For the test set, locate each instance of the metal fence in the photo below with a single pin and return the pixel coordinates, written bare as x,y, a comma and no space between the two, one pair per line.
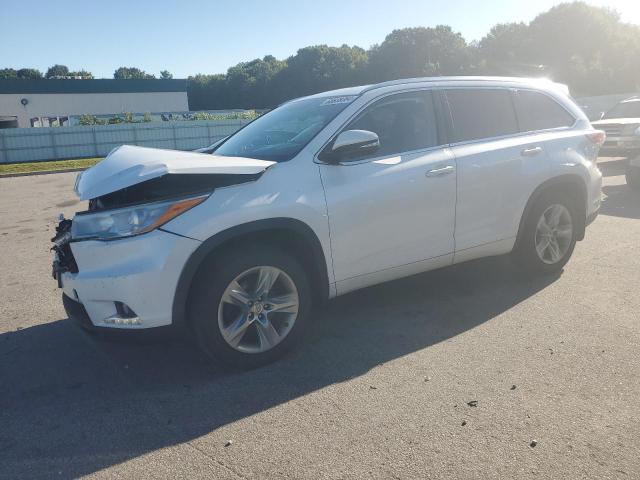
30,144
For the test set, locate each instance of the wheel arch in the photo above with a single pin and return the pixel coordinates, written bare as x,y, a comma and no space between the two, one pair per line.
295,234
571,183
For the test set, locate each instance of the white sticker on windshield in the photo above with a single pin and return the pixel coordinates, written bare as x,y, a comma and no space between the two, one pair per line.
337,100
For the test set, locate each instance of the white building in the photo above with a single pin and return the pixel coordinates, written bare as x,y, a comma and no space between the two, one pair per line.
43,102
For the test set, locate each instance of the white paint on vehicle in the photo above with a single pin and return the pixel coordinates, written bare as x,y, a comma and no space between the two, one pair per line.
129,165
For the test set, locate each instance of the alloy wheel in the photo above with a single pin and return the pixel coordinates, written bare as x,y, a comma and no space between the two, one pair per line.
258,309
554,233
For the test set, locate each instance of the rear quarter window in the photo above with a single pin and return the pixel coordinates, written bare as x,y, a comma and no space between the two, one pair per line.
537,111
481,113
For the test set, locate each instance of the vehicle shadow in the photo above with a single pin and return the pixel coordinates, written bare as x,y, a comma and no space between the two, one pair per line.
620,201
73,404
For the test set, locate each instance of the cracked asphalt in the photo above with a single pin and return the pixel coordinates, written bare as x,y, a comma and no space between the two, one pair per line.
410,379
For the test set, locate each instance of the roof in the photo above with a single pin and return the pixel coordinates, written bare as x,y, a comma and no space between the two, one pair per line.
538,82
340,92
19,85
468,78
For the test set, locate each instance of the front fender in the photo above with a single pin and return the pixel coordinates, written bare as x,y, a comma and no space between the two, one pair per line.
179,310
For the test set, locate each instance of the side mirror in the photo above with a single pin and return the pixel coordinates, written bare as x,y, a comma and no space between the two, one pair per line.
352,144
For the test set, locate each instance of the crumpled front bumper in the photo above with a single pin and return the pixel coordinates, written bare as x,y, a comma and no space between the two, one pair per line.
140,273
77,313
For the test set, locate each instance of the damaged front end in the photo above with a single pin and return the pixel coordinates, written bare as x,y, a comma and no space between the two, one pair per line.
136,190
63,260
116,266
168,187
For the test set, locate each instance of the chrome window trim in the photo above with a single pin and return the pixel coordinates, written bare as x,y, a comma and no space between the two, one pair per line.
515,135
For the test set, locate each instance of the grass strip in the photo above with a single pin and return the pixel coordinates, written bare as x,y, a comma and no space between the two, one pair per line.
53,166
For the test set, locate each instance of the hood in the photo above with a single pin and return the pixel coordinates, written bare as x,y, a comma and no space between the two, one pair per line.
128,165
616,121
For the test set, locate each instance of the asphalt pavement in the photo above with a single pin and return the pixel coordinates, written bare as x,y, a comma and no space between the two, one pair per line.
468,372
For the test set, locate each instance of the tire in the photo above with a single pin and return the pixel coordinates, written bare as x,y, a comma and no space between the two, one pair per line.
210,313
526,253
633,177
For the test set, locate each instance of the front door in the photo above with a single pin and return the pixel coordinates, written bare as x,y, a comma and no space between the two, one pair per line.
394,209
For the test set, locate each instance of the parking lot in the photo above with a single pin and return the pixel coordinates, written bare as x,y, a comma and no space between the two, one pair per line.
467,372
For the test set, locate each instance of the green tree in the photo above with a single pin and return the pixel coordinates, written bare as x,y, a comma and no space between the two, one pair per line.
250,85
317,68
126,73
8,73
206,92
166,75
82,74
507,50
586,47
416,52
29,73
57,71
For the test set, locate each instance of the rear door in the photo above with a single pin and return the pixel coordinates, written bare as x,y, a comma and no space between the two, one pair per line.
497,166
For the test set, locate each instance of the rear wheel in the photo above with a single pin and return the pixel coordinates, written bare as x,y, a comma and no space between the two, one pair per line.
633,177
549,235
250,307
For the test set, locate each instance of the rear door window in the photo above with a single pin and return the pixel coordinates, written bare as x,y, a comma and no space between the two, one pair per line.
537,111
481,113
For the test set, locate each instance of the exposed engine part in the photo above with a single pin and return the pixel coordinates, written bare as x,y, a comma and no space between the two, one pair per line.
167,187
63,258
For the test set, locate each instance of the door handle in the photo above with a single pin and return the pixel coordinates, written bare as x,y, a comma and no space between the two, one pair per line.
440,171
530,152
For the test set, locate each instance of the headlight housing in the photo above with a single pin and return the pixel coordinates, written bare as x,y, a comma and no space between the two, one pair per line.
129,221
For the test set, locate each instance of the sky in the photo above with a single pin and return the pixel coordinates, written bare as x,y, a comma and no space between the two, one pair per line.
198,36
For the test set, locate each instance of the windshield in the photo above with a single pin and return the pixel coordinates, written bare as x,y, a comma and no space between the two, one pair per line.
280,134
624,110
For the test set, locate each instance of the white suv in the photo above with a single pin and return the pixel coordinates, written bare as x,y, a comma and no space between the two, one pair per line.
324,195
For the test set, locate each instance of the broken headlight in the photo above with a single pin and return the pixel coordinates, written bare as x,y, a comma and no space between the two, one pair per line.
129,221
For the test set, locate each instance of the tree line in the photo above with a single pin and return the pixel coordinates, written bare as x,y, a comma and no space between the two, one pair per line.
588,48
63,72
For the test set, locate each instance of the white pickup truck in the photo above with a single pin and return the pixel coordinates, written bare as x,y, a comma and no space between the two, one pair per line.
622,126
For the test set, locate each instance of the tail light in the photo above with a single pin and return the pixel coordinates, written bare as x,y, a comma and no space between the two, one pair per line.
597,137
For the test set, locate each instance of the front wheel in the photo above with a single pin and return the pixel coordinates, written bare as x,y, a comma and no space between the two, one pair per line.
633,177
549,235
250,306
